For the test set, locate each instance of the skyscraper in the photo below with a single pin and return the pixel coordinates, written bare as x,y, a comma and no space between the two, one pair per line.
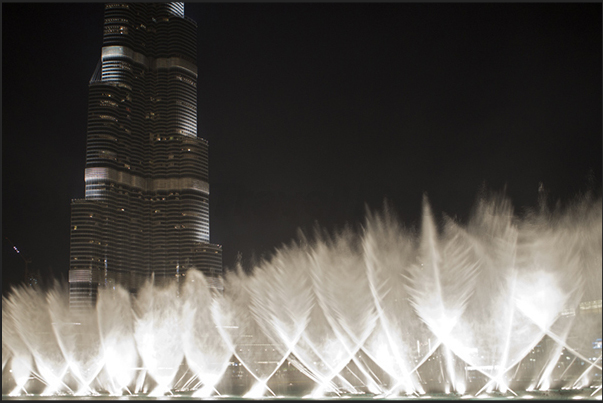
146,208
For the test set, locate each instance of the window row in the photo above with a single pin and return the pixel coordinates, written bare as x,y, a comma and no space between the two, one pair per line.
186,80
116,5
116,29
116,20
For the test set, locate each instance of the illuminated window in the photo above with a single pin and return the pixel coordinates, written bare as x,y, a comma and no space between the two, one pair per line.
113,20
105,136
186,80
186,104
108,154
124,65
105,102
591,306
116,29
108,117
116,5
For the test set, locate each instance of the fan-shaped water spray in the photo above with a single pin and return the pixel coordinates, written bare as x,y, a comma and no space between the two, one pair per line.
502,303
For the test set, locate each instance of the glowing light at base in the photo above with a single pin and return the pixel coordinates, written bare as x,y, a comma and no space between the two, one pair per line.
258,390
205,391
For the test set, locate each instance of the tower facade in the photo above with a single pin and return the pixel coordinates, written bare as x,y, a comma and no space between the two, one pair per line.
146,208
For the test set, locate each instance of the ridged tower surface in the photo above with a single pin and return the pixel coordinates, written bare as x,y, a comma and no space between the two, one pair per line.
146,208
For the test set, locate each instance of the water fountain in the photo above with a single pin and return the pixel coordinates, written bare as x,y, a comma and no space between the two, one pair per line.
499,306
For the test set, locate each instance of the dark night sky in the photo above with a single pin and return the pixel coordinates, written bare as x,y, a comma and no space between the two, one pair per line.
313,110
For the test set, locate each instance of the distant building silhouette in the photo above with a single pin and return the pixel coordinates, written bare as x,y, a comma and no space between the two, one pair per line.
146,209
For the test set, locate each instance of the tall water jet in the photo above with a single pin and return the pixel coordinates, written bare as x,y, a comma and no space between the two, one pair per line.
158,333
12,345
441,282
282,298
343,294
32,320
116,327
398,341
248,340
78,338
207,354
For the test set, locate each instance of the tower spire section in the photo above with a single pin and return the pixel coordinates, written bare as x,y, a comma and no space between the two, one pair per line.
146,206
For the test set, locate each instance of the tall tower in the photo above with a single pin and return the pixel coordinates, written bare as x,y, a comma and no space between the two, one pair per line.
146,209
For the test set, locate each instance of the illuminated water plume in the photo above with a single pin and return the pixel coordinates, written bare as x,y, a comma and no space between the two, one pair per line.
501,304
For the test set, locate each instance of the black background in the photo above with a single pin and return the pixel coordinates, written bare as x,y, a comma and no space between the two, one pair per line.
314,110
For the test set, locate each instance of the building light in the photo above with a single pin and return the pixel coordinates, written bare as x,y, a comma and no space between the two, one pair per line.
110,180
